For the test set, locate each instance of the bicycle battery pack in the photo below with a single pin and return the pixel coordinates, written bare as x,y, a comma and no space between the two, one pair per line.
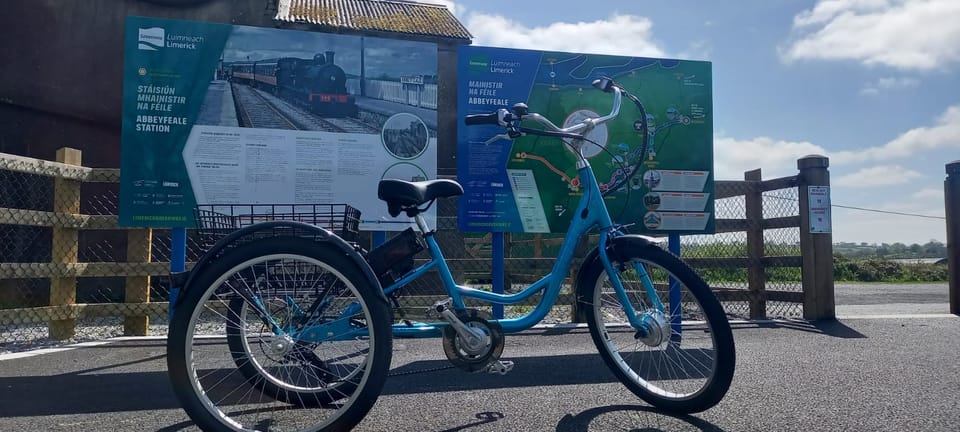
394,258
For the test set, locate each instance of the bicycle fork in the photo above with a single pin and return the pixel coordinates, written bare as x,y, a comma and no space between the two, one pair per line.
651,325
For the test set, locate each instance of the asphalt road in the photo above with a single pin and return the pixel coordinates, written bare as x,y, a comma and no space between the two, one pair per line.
859,299
856,374
889,363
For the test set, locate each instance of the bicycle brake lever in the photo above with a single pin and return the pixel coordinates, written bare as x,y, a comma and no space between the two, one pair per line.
498,137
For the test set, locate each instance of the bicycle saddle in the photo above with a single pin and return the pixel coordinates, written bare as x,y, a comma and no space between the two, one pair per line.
402,195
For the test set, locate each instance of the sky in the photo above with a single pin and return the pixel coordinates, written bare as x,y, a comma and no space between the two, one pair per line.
872,84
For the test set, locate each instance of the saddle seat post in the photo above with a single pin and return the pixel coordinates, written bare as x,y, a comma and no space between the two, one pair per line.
422,223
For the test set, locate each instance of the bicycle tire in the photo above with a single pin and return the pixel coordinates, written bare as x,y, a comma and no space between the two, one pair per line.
601,304
270,398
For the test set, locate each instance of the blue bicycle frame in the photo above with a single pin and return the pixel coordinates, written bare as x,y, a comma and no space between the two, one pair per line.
591,212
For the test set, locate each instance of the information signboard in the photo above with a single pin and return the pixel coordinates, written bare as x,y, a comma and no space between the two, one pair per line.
224,114
531,184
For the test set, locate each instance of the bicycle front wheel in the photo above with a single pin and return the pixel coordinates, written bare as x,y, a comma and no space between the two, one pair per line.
682,358
280,334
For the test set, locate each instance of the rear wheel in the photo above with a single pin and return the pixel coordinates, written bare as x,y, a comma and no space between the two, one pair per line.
680,360
280,334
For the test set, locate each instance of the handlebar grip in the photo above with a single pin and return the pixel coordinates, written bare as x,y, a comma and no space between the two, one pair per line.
479,119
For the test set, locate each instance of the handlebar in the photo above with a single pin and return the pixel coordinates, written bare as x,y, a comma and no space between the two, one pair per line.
479,119
511,120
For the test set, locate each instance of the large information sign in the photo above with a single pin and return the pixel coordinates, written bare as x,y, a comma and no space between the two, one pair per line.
223,114
532,184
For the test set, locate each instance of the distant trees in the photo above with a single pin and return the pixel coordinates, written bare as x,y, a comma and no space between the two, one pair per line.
930,249
882,270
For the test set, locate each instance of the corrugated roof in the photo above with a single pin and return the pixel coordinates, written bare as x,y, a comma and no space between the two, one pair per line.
377,15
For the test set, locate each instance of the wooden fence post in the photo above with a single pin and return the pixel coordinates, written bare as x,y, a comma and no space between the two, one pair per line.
63,290
137,288
816,238
753,201
951,195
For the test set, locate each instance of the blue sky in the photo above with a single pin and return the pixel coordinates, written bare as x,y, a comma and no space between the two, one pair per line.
872,84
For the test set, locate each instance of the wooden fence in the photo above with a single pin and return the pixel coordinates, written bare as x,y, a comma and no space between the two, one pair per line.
63,270
66,221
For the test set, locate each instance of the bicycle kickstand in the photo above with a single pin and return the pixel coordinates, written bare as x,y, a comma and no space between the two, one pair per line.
501,367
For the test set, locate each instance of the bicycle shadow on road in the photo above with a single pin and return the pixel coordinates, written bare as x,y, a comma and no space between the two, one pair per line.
631,418
427,376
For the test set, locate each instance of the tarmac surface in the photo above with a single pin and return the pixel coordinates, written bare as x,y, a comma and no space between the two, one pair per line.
865,372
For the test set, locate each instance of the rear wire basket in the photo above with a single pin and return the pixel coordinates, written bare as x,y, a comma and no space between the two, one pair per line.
219,220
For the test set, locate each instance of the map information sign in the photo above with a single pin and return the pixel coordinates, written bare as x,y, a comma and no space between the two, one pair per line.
531,185
220,114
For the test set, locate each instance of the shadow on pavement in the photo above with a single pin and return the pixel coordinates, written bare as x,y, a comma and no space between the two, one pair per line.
482,419
533,371
631,418
78,393
93,391
827,327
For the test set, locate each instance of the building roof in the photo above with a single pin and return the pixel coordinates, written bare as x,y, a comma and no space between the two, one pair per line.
375,15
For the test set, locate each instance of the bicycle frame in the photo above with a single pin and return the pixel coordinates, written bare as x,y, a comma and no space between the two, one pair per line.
591,212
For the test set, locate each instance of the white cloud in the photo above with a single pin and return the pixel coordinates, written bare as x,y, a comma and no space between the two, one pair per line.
928,194
697,50
733,156
889,83
827,10
598,37
897,83
904,34
944,134
775,158
455,8
884,175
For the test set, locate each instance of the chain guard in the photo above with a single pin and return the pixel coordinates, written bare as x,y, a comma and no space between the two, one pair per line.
475,319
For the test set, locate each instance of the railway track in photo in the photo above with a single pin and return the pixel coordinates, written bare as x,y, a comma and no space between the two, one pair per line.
256,111
296,117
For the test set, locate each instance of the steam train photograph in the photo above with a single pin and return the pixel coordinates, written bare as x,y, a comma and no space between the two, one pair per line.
316,83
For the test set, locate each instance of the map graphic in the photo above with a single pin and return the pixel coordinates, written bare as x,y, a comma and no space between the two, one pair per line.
666,188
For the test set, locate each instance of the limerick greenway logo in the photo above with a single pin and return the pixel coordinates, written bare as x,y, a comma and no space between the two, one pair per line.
151,39
479,63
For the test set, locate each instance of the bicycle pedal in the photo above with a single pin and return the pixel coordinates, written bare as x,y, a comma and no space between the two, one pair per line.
437,309
501,367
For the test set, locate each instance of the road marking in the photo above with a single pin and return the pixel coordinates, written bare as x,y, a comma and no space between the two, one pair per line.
25,354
